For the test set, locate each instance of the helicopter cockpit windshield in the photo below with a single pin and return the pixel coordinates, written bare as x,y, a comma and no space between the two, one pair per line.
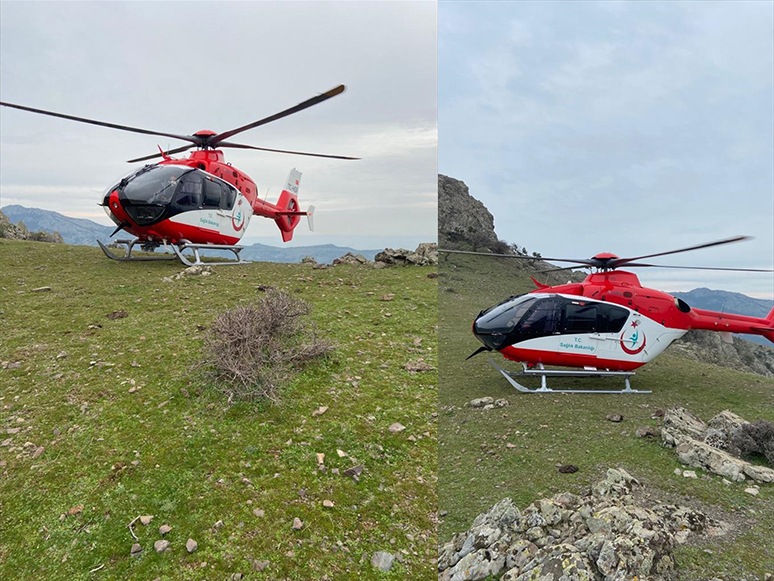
532,316
156,185
161,191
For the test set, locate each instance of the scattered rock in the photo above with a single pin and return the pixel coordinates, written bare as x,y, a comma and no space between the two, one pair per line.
328,503
387,297
568,469
481,402
38,452
753,491
218,525
135,550
191,545
62,355
117,315
616,418
190,271
260,565
145,519
161,546
395,428
502,403
354,472
647,432
42,289
78,508
320,411
418,367
259,512
689,474
382,560
164,529
298,524
308,260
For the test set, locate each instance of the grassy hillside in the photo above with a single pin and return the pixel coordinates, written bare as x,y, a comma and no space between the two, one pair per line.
477,467
129,428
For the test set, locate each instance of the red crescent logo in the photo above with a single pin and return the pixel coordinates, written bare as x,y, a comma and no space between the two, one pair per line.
238,218
638,349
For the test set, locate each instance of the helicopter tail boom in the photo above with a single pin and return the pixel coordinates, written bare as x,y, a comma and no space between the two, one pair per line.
727,322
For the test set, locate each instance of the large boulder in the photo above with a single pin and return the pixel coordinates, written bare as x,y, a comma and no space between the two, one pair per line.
350,258
702,445
426,254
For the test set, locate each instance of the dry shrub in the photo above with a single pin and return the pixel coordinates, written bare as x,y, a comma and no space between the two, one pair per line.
254,350
753,439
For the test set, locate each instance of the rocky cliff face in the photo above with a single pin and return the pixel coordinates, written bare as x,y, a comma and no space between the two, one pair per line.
20,232
463,221
742,355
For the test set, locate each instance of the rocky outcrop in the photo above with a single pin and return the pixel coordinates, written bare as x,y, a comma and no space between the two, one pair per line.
350,258
603,535
709,347
426,254
702,445
463,221
20,232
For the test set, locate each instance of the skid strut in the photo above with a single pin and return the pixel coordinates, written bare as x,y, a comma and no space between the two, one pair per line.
178,250
128,253
544,373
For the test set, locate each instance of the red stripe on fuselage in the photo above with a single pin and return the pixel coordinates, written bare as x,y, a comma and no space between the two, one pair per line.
567,359
174,232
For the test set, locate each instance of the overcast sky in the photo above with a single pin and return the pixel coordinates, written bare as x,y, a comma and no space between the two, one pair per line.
629,127
180,67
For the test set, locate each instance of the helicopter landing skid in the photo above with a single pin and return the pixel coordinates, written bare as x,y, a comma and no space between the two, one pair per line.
128,254
185,245
543,373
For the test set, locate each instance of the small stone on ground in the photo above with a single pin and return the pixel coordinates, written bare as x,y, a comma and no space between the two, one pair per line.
382,560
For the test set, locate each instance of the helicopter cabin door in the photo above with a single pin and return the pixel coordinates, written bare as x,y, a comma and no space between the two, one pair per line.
610,321
592,328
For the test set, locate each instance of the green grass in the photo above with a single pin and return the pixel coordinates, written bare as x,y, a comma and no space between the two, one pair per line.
476,469
193,449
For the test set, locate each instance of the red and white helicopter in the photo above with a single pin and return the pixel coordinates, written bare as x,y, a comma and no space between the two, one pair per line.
200,202
607,325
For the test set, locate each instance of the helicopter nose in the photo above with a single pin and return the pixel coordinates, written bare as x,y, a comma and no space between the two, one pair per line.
491,339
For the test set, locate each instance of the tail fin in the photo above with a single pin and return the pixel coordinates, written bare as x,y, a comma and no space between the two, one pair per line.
289,216
769,333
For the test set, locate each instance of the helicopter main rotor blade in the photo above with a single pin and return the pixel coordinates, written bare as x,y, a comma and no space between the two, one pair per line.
559,269
639,265
586,262
622,261
241,146
171,151
100,123
213,141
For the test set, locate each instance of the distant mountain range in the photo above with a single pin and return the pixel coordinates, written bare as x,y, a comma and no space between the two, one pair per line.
729,302
73,230
81,231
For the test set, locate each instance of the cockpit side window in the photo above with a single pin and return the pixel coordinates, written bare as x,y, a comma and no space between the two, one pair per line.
544,318
228,197
611,319
580,318
213,191
189,193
